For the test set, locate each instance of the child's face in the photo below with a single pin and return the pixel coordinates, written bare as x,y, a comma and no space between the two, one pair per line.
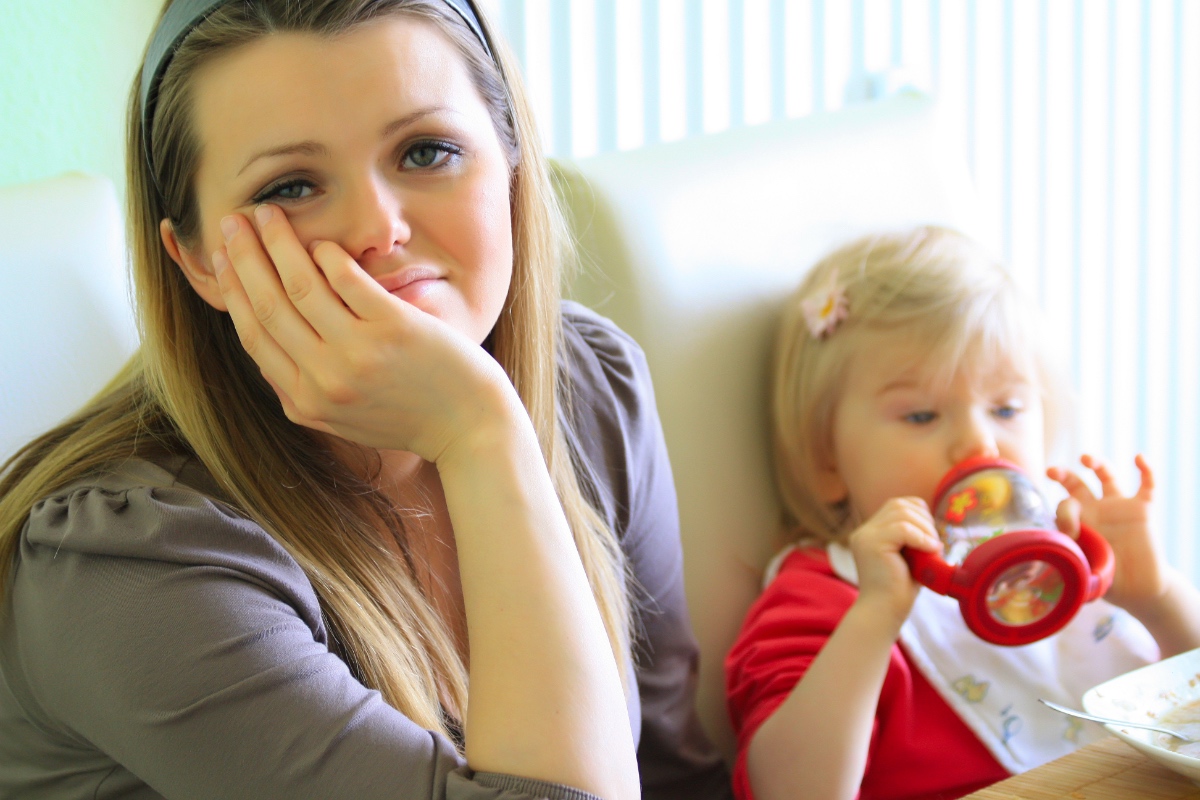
897,431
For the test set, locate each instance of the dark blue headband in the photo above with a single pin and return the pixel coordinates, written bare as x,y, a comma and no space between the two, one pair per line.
184,15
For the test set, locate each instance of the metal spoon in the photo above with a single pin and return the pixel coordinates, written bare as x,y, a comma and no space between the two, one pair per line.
1120,723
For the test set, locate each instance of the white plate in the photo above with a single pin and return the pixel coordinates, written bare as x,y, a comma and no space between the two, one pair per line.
1144,695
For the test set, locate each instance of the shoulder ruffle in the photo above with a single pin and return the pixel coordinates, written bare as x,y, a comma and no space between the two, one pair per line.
140,511
610,418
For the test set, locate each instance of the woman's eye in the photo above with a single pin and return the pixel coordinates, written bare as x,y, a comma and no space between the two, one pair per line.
290,190
920,417
428,155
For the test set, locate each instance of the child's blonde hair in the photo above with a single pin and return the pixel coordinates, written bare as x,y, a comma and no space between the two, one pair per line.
929,284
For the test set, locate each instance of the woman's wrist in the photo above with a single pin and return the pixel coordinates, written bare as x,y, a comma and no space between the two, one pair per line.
495,422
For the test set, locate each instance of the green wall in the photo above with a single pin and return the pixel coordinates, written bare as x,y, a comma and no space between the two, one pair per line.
65,71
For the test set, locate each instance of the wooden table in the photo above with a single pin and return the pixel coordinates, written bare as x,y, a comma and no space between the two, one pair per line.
1106,770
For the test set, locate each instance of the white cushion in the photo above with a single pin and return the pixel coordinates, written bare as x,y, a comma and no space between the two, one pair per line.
690,246
65,320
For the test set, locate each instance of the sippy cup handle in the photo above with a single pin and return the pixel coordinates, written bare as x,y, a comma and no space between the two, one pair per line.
930,570
1100,560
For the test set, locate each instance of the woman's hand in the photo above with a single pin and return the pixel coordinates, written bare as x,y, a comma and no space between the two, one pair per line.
345,356
1140,577
882,571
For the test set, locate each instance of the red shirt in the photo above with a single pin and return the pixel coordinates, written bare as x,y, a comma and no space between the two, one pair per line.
919,747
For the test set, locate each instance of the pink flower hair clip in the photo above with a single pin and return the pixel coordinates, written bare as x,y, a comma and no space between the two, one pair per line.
825,308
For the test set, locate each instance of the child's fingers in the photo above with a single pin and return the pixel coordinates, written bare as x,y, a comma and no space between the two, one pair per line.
1108,484
1074,484
1066,516
1146,489
914,524
921,538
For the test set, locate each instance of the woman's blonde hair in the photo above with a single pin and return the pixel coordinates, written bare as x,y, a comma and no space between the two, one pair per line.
931,285
191,389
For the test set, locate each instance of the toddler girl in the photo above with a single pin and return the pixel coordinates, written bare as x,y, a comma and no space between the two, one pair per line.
899,356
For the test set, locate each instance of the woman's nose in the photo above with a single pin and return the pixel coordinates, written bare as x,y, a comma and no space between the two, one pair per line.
374,221
974,437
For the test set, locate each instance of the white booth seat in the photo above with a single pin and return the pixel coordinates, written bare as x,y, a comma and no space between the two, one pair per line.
690,247
65,320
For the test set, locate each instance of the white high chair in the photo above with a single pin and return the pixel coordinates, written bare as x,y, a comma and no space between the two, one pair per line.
690,247
65,320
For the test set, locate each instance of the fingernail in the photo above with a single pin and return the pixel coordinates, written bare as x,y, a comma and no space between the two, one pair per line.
262,214
229,227
220,262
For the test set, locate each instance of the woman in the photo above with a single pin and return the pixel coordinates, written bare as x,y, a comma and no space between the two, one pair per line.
361,461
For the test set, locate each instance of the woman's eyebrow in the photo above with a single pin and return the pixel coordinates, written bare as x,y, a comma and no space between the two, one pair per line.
293,148
311,148
409,119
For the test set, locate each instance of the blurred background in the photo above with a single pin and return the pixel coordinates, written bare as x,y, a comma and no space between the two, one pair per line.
1080,123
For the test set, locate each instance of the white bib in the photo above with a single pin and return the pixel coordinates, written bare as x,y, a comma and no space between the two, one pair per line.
995,689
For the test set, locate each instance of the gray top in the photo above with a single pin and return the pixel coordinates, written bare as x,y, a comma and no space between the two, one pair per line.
155,645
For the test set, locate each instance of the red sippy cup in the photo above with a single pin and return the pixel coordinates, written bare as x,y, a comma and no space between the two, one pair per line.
1016,577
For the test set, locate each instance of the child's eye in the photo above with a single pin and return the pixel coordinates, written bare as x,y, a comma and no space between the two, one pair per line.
921,417
429,155
1007,411
290,189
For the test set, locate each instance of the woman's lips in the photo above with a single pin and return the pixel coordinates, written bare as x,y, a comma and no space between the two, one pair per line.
410,285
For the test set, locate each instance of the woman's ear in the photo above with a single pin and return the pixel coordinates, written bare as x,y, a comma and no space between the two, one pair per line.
198,274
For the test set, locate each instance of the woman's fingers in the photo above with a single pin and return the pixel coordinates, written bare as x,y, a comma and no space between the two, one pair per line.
276,365
260,283
322,281
293,412
302,282
360,293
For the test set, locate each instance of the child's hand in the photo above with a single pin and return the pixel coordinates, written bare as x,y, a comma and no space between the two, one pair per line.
1140,578
882,571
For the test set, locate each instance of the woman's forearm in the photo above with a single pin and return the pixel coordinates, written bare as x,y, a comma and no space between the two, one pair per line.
815,744
546,699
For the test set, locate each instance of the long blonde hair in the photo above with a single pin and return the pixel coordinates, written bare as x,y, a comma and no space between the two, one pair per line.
929,283
191,389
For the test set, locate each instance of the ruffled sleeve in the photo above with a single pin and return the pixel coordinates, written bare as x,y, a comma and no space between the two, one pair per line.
157,644
613,425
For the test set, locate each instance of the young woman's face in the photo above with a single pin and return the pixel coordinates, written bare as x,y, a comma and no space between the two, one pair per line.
897,431
376,140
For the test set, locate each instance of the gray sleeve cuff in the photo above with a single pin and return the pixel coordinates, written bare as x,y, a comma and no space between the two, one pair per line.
522,788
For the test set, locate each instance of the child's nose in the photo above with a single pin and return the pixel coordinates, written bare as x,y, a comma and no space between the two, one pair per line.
974,437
